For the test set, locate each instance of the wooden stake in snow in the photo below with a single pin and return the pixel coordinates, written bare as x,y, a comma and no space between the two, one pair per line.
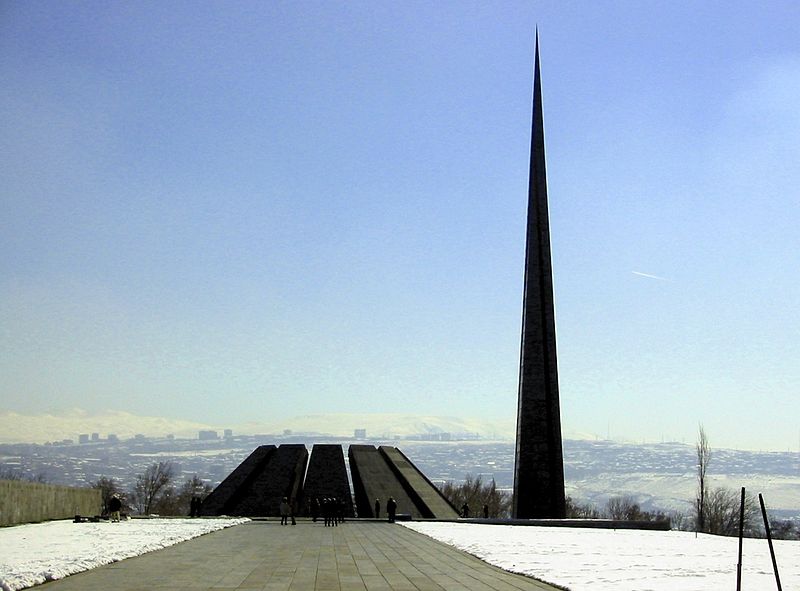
769,539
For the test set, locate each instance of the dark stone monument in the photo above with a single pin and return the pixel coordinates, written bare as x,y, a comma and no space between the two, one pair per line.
380,473
539,464
327,476
427,497
256,487
282,476
229,492
374,479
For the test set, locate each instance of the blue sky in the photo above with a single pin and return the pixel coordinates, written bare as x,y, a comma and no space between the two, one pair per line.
221,211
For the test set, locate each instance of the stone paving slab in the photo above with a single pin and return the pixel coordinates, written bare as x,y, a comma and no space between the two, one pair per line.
265,556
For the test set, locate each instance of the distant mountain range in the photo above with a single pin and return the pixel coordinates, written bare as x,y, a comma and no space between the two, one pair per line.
69,424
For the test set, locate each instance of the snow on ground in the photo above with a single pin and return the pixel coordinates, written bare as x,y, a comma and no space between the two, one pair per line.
38,552
580,559
623,560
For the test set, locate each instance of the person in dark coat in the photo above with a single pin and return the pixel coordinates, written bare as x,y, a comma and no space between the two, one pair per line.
464,510
486,511
284,511
337,508
391,509
114,507
332,502
194,507
377,508
326,511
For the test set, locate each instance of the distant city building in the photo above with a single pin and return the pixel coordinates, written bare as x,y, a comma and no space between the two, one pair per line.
170,437
207,435
444,436
112,438
139,437
287,432
83,438
95,436
228,433
360,433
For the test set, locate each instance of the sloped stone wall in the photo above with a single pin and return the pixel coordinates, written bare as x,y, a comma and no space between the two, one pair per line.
327,477
281,476
228,493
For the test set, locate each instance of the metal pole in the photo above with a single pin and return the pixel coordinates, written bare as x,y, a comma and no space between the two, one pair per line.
769,539
741,535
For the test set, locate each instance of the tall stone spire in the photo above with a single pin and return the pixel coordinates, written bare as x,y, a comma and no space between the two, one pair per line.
539,464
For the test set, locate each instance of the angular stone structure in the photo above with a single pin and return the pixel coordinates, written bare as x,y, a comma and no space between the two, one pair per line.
423,492
256,487
228,493
327,477
386,472
373,479
539,464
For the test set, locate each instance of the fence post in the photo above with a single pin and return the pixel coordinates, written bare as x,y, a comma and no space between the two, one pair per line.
769,539
741,535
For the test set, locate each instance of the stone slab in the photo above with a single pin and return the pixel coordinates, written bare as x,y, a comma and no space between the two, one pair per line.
224,496
425,495
374,479
327,476
281,476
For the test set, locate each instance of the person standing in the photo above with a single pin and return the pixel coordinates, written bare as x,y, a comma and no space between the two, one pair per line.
114,506
391,509
377,508
194,510
465,510
315,509
284,510
326,511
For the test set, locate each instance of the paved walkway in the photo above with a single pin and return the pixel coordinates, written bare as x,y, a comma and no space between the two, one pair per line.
266,556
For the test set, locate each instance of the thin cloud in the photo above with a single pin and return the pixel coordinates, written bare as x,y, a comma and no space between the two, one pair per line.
649,276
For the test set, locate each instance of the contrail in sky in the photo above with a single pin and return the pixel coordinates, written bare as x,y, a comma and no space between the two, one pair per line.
649,276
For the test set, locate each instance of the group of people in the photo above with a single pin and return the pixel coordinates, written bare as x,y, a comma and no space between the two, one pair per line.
331,509
286,510
465,511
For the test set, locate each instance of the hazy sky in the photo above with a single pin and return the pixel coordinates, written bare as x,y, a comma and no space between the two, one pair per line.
232,210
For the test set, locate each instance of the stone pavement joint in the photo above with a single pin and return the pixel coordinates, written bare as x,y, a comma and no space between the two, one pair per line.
265,556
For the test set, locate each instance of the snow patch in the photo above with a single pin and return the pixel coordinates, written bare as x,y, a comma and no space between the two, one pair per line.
35,553
619,560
